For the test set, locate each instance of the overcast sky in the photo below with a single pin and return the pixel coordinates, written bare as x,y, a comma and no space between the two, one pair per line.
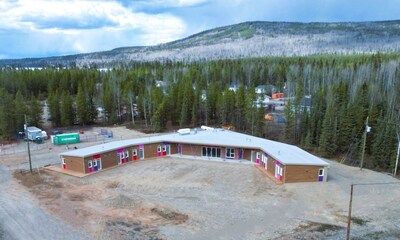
39,28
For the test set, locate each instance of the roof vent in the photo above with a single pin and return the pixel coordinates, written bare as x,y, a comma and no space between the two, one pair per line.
184,131
206,128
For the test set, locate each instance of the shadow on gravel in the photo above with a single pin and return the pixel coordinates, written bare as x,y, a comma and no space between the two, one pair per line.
313,231
131,230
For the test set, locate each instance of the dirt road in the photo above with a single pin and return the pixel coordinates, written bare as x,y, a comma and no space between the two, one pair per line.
23,218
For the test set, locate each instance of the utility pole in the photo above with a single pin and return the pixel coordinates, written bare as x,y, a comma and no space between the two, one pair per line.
367,130
27,141
349,216
398,152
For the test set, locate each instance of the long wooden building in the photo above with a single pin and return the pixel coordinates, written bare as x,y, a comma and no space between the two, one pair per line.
285,163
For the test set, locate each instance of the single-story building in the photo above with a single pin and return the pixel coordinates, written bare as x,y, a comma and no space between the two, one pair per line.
285,163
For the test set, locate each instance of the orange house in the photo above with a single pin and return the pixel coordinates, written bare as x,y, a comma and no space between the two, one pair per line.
278,95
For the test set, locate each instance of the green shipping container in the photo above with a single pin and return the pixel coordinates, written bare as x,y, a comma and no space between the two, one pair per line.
66,138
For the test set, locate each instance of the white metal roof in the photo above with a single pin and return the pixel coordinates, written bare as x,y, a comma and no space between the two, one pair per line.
33,129
284,153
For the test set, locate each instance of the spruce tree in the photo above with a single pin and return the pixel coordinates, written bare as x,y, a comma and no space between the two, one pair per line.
82,111
67,111
290,122
327,144
7,127
35,112
20,110
53,105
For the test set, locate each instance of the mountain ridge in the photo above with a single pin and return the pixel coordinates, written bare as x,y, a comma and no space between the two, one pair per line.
247,39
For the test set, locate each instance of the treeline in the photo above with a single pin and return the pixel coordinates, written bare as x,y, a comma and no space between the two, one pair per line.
345,90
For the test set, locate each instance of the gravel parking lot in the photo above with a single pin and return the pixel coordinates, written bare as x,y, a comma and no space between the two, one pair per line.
174,198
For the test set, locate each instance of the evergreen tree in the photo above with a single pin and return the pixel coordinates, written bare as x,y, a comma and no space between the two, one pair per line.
67,111
327,144
290,122
187,103
53,105
35,112
251,110
7,127
109,105
240,109
20,110
82,111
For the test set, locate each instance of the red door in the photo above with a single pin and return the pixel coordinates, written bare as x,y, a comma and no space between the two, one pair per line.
63,163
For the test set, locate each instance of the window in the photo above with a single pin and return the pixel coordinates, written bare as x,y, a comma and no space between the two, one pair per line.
321,172
211,152
164,148
94,163
230,153
126,154
158,148
134,152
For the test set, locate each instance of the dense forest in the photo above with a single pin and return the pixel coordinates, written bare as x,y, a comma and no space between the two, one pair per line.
345,90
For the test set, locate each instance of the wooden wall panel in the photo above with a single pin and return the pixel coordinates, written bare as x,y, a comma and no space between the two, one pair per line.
192,150
173,148
74,164
271,165
247,154
108,159
150,150
303,173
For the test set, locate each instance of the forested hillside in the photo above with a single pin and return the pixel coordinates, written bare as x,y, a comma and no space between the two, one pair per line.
249,39
344,89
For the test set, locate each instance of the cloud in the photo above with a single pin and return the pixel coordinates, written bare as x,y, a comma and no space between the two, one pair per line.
53,27
82,26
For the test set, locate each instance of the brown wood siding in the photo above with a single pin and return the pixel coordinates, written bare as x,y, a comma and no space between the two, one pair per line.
247,154
193,150
271,165
74,164
150,150
301,173
108,159
173,148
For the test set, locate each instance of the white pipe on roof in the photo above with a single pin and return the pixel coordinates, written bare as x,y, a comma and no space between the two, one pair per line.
184,131
206,128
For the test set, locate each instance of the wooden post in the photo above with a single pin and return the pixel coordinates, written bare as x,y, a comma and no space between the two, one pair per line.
398,153
349,217
27,141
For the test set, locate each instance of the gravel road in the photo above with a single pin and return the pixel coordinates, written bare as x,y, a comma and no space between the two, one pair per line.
22,218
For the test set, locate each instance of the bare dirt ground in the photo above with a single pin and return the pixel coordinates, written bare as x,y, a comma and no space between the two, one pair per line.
173,198
15,155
